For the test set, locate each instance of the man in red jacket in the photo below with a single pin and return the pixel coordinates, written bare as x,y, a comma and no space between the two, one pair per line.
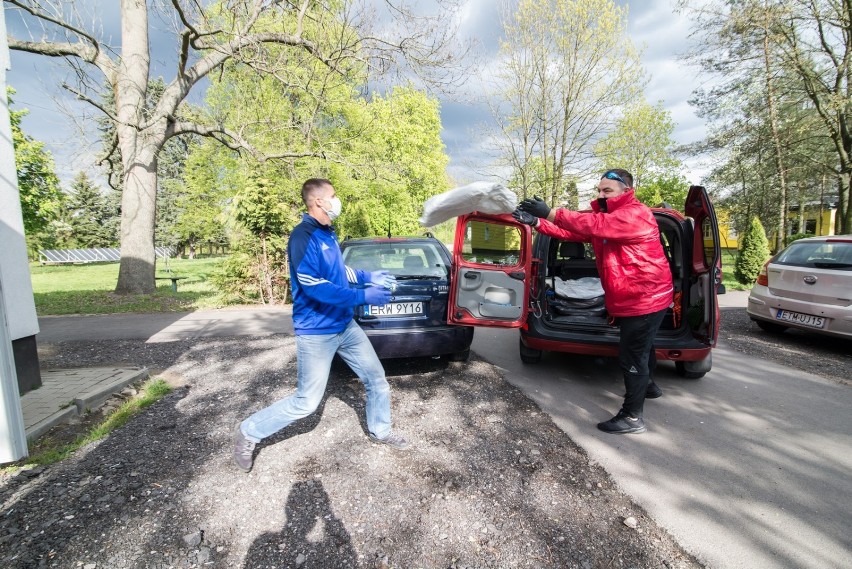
635,277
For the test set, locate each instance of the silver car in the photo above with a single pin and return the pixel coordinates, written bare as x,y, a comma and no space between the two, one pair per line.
807,286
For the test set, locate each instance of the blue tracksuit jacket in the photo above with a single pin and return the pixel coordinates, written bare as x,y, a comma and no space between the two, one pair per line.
323,302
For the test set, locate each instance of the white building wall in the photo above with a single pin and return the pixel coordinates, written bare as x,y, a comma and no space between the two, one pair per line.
14,268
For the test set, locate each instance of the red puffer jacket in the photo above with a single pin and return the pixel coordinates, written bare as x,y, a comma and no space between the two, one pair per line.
634,271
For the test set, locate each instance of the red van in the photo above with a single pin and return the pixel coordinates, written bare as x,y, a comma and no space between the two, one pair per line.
503,276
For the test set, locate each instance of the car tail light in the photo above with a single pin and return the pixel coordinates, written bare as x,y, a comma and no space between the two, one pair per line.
762,276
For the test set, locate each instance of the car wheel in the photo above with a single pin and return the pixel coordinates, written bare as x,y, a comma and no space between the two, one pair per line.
770,326
528,355
684,371
462,356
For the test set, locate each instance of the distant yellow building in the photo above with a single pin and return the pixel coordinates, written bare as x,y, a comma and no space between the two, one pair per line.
817,221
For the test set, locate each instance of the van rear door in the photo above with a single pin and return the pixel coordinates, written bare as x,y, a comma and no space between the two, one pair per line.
706,265
491,269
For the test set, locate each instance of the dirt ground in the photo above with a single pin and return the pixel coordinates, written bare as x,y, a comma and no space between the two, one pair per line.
489,481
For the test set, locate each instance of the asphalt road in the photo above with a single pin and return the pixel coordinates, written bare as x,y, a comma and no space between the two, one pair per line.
748,467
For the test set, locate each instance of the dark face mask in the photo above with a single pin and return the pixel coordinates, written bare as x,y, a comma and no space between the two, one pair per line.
602,204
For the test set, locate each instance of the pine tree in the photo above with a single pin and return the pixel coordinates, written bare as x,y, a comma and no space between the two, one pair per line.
90,214
754,251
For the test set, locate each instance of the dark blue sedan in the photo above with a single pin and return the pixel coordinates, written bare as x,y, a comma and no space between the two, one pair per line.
415,322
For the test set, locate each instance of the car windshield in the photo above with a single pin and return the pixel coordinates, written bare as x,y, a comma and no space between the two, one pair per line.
818,254
404,260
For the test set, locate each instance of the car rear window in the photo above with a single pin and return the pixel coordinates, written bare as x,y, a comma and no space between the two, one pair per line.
400,258
818,254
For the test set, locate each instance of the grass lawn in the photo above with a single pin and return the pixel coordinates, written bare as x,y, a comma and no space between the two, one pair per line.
728,259
88,289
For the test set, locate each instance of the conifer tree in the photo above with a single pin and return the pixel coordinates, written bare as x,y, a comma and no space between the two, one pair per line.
754,251
90,215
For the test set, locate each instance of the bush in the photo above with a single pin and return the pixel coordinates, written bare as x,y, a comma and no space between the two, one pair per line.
797,236
754,251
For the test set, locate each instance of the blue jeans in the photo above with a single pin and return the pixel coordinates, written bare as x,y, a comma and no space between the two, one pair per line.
313,356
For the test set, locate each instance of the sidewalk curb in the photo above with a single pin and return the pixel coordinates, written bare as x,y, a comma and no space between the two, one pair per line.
92,399
58,400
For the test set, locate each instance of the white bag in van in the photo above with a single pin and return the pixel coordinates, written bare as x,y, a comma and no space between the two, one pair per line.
484,197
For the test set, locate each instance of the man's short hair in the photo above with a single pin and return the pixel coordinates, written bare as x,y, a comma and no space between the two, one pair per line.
312,186
625,176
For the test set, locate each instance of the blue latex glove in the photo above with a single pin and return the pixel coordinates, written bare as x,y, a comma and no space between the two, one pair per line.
383,279
536,206
525,217
376,296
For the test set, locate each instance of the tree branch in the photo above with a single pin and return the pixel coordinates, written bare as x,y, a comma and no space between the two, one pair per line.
178,89
62,24
233,140
83,97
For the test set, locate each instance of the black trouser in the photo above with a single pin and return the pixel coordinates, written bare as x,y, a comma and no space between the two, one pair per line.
637,358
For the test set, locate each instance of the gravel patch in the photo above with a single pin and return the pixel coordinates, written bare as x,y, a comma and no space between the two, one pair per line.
827,357
490,480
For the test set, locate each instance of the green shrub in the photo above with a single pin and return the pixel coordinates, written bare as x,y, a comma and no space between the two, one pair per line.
796,237
754,251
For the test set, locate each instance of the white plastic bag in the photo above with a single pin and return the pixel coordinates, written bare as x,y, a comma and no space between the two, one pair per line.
485,197
585,288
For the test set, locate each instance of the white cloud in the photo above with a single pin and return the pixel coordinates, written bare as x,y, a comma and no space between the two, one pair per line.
653,24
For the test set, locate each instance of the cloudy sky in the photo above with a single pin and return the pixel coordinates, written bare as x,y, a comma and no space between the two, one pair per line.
652,24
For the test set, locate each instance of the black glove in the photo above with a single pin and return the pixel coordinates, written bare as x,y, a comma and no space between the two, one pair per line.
525,217
536,206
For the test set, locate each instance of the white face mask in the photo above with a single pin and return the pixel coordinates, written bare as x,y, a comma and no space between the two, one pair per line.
336,207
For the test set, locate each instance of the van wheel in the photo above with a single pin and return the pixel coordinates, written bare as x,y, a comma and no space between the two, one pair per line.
684,371
528,355
769,326
462,356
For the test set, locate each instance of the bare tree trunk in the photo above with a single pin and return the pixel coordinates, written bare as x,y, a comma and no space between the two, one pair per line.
136,271
844,206
138,154
776,137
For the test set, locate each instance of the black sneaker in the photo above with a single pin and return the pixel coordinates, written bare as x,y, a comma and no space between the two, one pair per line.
393,440
653,391
623,424
243,450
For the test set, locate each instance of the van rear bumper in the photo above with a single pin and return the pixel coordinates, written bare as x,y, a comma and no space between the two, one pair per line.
686,354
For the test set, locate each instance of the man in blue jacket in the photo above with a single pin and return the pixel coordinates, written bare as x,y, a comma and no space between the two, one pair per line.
323,310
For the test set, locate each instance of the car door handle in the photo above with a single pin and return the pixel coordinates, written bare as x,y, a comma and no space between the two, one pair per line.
471,275
518,275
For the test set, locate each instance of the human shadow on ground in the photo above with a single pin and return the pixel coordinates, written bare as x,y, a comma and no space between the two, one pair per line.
311,535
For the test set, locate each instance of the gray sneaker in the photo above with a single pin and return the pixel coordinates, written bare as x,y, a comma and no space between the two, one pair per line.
393,440
243,450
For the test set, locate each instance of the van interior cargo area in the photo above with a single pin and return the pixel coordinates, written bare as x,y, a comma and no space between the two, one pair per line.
570,267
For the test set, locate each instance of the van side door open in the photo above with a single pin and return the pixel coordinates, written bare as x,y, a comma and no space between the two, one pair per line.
491,271
706,263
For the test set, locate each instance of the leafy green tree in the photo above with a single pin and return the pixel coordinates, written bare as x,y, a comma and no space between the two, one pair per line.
641,143
264,36
779,104
669,188
754,251
260,209
566,68
41,197
90,214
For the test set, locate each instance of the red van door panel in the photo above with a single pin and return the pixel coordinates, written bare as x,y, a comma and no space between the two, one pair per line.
706,263
491,271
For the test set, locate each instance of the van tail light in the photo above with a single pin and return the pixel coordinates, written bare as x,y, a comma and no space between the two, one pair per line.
762,276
